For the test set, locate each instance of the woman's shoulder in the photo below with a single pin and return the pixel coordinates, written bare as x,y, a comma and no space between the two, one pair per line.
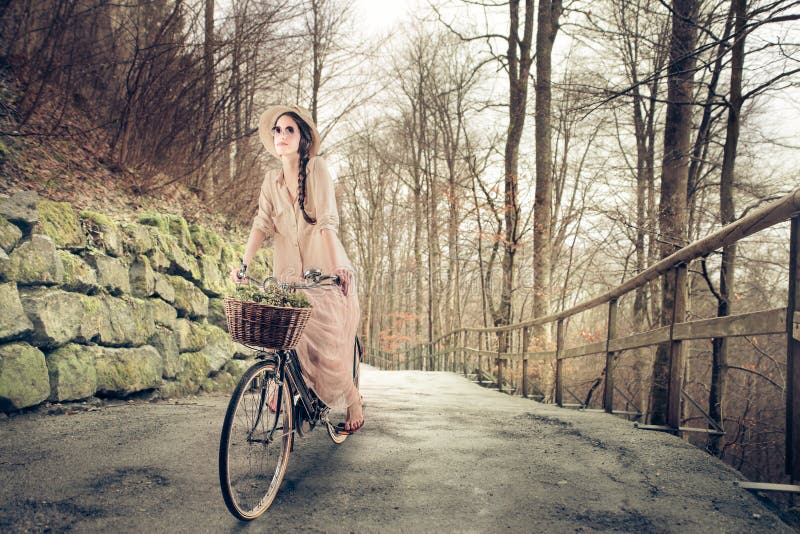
269,177
317,164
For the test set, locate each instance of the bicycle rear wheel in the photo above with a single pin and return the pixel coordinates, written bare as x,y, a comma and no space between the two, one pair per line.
255,443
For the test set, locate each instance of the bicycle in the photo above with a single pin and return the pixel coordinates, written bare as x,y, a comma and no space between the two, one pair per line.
271,402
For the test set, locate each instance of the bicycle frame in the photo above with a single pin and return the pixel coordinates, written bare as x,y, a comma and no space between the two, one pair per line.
289,373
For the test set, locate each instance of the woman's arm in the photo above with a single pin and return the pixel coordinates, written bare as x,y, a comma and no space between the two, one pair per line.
344,274
328,219
254,242
262,229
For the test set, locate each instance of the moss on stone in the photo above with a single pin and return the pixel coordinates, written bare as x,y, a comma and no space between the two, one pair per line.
24,380
94,318
98,218
165,343
193,371
213,281
162,313
179,228
112,273
155,220
162,240
58,220
216,313
163,288
14,322
190,336
208,243
221,382
230,258
189,299
10,235
142,277
78,275
72,372
35,261
125,371
138,238
103,232
169,256
185,264
236,368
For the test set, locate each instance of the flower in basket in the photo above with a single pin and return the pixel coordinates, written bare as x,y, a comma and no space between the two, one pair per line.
272,295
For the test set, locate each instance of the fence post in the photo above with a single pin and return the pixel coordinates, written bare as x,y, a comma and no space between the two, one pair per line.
526,339
453,351
677,354
480,358
793,356
499,366
464,355
559,363
608,389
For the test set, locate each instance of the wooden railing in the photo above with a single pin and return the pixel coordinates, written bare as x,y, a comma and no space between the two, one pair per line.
453,352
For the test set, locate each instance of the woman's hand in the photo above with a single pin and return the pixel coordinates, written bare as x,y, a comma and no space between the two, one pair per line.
235,276
345,279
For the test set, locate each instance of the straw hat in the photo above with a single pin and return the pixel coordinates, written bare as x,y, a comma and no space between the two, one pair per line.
268,119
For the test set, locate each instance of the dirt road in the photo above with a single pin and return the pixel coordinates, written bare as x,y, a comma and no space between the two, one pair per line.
437,454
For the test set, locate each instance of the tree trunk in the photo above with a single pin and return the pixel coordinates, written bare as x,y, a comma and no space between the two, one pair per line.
316,75
719,371
519,65
207,173
674,177
547,18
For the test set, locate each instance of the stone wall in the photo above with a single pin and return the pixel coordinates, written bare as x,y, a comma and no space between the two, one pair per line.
90,307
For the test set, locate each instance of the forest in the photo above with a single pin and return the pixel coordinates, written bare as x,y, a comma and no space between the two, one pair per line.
495,161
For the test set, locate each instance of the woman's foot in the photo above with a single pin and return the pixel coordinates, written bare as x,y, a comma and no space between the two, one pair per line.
355,417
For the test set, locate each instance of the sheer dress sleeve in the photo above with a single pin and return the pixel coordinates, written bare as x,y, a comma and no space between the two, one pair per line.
321,190
263,219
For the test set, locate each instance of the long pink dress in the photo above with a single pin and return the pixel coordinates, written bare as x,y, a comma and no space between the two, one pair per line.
325,349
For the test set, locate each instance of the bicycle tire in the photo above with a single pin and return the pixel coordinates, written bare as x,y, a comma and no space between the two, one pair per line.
340,438
255,443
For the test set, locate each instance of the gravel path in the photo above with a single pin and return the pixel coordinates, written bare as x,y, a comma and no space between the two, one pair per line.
437,454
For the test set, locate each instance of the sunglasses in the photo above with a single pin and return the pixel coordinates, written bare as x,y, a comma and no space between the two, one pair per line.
288,130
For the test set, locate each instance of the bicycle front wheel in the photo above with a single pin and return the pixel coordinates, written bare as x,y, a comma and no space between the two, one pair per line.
256,441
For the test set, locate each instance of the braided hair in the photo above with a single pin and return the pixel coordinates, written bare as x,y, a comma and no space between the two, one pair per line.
306,141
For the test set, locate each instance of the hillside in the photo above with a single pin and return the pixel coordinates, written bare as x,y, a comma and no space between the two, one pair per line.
68,164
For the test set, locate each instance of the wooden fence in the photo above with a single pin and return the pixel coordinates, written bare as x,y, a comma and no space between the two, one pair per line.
453,352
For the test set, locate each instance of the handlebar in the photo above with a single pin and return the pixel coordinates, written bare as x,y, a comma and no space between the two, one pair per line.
315,277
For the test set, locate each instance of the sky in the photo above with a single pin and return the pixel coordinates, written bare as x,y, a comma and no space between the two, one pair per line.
780,112
379,16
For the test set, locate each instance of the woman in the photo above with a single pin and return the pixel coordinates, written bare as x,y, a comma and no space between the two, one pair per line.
297,209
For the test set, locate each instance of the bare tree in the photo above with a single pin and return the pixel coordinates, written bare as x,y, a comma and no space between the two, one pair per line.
549,13
674,179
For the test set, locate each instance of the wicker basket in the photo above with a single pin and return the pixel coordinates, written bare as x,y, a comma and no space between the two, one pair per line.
262,325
